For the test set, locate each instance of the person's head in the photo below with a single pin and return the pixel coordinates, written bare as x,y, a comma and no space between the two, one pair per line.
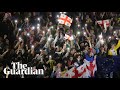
57,49
92,31
71,58
66,67
112,46
65,60
60,48
59,65
86,47
90,53
43,52
7,41
75,54
82,44
102,48
25,32
105,47
72,51
67,41
78,58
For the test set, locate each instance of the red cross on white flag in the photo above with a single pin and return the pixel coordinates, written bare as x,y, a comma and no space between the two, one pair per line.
84,71
104,23
68,37
64,19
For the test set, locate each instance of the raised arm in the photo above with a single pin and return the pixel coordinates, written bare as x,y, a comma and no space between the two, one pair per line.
5,53
118,45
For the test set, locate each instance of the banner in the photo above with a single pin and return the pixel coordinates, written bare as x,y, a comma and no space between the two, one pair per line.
84,71
104,23
64,19
68,37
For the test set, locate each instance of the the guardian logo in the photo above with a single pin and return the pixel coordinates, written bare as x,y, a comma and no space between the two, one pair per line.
22,69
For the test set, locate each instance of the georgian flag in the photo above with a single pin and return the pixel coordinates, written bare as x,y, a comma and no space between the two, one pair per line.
104,23
68,37
80,72
84,71
91,67
69,73
64,19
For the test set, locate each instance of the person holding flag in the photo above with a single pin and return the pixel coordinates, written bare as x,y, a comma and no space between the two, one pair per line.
90,61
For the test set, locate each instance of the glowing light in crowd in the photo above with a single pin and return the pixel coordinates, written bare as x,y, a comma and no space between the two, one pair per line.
58,28
38,24
117,38
32,46
100,36
109,37
48,30
85,25
50,15
33,27
82,27
57,16
40,50
78,25
28,34
26,19
38,19
49,39
114,31
102,41
84,33
16,21
20,39
19,29
51,27
43,32
62,12
68,48
50,56
38,27
77,19
78,33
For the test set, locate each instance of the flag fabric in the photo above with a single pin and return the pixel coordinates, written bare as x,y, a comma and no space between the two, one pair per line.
104,23
68,37
80,72
86,70
91,67
105,26
64,19
70,73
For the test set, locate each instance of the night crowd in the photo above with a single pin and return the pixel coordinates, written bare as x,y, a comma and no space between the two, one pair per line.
37,39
